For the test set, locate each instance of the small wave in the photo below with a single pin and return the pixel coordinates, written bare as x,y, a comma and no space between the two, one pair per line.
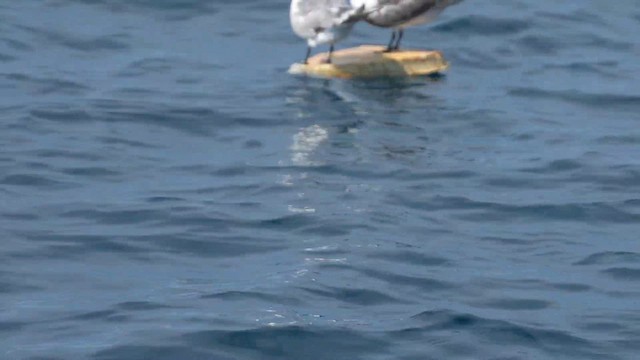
531,284
620,140
11,326
152,66
16,44
15,287
515,304
6,58
363,297
603,68
233,296
69,246
623,273
166,9
141,306
540,44
621,179
62,114
142,352
201,121
490,211
556,166
475,25
478,59
19,216
45,86
117,217
578,16
115,42
519,183
407,257
289,342
212,247
421,282
67,155
31,180
610,258
120,312
102,315
599,101
550,342
112,140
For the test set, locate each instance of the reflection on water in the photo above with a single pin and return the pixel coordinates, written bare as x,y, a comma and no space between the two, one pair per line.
305,142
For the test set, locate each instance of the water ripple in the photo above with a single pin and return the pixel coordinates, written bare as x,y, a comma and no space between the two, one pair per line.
481,25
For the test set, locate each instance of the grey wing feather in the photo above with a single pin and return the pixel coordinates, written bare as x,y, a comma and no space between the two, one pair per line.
398,11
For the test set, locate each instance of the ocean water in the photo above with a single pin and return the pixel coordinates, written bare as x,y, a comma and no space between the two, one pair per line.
169,192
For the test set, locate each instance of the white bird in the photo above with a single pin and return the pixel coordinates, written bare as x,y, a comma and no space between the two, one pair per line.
400,14
323,21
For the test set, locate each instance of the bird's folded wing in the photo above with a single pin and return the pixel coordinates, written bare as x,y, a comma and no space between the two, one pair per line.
397,11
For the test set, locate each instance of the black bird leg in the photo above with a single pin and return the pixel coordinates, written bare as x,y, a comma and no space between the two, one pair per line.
330,53
400,34
393,38
306,58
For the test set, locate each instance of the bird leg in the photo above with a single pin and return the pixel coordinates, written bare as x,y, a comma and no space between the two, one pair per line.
397,45
393,38
330,53
306,58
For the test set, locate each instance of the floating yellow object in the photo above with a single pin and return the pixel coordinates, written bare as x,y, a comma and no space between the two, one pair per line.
370,61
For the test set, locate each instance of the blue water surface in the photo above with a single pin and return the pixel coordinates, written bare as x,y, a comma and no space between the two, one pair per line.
168,191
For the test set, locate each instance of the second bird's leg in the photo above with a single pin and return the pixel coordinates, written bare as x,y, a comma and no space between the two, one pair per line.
400,34
306,58
393,39
330,53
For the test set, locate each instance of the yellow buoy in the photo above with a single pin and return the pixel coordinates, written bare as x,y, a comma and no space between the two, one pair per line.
369,61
